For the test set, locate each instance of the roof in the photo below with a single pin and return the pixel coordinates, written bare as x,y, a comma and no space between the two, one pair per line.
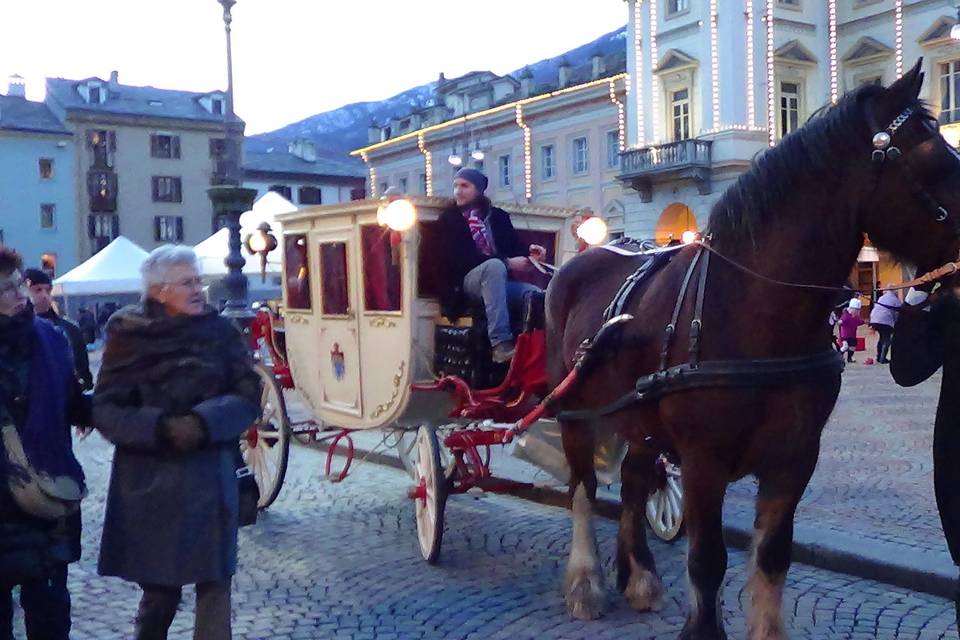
20,114
133,101
279,160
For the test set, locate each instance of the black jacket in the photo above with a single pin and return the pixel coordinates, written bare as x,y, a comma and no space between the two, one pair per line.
81,362
923,341
459,253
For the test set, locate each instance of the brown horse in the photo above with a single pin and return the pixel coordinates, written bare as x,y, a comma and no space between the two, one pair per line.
798,215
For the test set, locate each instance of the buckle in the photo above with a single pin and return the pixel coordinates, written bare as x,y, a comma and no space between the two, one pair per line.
243,472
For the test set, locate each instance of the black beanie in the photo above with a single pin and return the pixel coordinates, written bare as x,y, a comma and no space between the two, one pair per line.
474,177
35,276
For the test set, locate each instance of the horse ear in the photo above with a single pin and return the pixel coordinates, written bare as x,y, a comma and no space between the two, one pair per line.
907,89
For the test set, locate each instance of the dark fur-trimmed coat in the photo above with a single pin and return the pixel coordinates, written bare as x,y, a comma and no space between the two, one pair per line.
172,517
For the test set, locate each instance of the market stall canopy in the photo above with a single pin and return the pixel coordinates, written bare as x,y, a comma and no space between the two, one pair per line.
114,269
212,251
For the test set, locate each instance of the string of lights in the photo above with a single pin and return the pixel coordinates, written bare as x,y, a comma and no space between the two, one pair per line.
654,60
527,154
621,116
898,34
751,98
714,64
373,176
832,47
771,81
638,59
427,163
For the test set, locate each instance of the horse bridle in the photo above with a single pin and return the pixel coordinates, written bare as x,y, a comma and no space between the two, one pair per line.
884,150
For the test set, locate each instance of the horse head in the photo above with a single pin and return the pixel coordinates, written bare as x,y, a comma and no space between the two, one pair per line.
912,202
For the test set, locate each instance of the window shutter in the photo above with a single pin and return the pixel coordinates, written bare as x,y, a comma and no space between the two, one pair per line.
153,145
112,137
91,226
179,235
91,134
156,188
114,226
156,228
177,190
175,145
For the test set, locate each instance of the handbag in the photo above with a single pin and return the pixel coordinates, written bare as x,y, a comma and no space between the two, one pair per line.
37,494
248,491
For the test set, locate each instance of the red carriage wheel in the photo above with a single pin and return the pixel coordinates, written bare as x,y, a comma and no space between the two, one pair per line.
266,444
429,493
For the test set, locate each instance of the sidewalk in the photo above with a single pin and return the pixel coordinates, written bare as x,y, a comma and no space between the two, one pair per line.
869,510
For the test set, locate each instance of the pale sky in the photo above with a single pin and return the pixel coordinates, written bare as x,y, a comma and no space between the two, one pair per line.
292,58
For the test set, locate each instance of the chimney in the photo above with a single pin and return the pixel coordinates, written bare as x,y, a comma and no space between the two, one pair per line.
16,87
599,66
114,83
304,149
442,79
373,133
526,83
564,73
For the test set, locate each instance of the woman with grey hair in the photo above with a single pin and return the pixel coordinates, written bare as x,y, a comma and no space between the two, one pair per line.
175,392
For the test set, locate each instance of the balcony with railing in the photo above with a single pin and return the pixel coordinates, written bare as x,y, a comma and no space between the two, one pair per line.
692,159
102,189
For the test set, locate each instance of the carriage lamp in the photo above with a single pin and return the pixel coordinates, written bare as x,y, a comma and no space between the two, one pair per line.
592,230
400,215
261,242
688,237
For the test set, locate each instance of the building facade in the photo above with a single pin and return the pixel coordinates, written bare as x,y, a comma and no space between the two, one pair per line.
145,158
714,82
556,143
37,213
301,176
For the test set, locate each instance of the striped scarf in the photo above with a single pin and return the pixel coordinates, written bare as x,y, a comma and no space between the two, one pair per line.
478,230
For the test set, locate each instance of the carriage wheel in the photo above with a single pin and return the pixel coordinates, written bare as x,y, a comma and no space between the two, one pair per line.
429,493
665,504
266,444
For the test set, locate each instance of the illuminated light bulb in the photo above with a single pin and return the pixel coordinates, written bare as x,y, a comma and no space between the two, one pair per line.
399,215
455,160
688,237
593,230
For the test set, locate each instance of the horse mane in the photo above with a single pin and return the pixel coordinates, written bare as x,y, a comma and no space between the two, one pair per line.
811,156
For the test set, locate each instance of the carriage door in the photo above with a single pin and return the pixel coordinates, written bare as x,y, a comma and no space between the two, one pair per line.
338,340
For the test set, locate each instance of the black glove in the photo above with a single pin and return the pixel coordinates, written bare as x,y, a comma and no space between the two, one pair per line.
183,432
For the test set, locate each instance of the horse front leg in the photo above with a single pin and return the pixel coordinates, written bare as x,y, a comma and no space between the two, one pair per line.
583,585
704,487
777,498
637,575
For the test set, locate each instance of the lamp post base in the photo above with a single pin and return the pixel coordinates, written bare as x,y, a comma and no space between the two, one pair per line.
230,202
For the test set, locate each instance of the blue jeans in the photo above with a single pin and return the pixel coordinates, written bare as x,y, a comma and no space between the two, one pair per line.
489,282
46,608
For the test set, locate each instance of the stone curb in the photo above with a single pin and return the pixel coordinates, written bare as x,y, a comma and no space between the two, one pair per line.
892,564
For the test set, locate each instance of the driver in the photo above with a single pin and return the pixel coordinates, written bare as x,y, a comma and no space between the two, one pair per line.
480,251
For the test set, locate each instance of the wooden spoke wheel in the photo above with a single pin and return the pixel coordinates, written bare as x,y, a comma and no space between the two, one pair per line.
266,444
429,493
665,504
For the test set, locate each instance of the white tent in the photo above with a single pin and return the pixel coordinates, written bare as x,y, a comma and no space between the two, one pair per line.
212,251
114,269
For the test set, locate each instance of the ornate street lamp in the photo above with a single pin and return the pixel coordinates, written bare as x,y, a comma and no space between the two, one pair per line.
261,243
228,197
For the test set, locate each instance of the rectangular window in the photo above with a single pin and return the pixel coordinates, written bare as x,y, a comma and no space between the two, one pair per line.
581,157
790,4
383,188
168,228
102,229
403,185
102,189
789,107
949,91
46,168
423,183
48,216
547,162
167,189
334,291
103,144
680,114
48,264
94,92
283,190
216,106
503,170
381,273
296,271
309,195
613,149
164,146
217,147
677,6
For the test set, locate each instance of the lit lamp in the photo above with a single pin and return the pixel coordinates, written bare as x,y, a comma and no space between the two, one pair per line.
591,231
478,154
955,29
261,243
688,237
454,159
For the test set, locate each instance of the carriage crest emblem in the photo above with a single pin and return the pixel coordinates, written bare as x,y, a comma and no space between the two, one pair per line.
338,361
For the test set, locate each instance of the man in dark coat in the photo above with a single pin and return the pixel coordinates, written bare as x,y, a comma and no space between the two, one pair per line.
175,392
40,398
927,338
41,295
88,325
479,249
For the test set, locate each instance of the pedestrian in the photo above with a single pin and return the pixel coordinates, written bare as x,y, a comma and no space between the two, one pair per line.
883,317
928,337
41,296
849,322
88,325
482,256
39,399
175,391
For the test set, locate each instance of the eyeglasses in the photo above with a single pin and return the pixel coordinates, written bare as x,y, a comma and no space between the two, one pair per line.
12,285
187,283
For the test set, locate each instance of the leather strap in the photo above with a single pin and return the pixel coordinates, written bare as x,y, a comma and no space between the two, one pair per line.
672,327
696,325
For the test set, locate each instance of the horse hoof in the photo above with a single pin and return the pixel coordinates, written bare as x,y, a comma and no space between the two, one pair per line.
584,595
644,591
772,631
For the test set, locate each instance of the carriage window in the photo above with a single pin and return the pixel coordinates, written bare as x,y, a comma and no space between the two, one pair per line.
297,271
333,278
381,270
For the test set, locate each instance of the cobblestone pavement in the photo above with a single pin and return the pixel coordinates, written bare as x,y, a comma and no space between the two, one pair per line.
341,561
